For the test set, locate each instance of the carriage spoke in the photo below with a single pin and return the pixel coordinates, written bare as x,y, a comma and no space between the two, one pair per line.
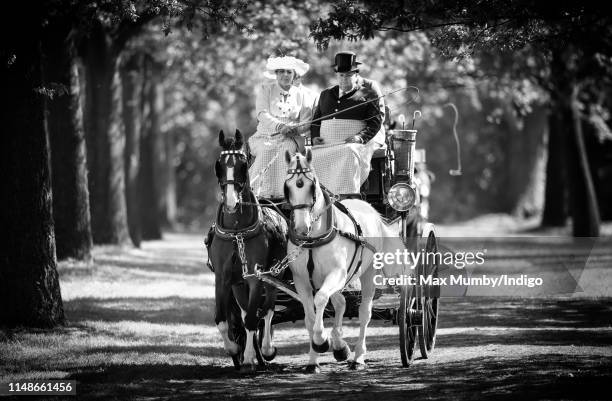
431,310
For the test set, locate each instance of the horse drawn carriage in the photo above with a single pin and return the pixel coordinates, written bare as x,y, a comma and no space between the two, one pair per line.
398,197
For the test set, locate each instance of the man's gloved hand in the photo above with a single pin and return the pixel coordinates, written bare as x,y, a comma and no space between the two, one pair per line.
354,139
318,140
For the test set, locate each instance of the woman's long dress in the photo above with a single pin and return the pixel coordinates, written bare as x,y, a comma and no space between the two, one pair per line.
275,106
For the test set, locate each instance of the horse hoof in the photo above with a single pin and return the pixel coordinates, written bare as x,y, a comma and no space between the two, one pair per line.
313,369
320,348
247,368
357,365
270,357
342,354
236,358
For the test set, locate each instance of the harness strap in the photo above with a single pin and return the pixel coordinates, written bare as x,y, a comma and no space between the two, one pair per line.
312,242
229,234
281,285
273,206
328,236
353,272
344,210
359,240
310,267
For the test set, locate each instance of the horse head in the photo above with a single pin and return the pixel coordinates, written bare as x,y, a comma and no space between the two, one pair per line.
232,171
302,191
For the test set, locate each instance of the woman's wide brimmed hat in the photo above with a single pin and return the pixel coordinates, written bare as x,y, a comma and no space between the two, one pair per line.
285,63
346,62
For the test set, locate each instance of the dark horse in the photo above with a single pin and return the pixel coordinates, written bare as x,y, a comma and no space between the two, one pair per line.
245,236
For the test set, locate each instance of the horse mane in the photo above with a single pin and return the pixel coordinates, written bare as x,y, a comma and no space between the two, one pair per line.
231,144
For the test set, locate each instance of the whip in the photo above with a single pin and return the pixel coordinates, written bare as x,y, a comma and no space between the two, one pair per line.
458,171
376,99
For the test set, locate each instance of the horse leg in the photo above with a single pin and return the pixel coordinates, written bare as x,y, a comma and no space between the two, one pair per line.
334,282
340,347
268,350
304,290
250,323
222,293
365,314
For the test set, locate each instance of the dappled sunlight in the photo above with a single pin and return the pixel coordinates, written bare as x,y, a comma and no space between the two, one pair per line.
137,132
161,269
134,324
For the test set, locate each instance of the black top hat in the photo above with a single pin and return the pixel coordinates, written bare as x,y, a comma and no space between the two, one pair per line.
346,62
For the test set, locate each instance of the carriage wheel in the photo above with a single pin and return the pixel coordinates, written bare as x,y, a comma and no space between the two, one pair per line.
406,314
407,324
428,299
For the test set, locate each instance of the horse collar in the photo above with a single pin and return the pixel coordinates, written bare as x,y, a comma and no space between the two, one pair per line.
226,233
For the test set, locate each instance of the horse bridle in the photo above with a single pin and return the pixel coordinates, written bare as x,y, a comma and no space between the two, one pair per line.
223,181
297,171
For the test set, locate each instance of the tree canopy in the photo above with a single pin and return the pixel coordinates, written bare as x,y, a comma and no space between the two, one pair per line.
471,24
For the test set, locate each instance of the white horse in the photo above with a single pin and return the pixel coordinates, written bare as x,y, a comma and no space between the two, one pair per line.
314,221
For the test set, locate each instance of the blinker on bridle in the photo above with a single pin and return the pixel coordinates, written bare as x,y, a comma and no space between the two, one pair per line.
223,182
239,153
297,171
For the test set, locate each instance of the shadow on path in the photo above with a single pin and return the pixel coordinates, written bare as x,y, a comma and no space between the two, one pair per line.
550,377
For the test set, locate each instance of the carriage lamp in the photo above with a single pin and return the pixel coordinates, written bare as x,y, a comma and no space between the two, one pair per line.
403,142
402,197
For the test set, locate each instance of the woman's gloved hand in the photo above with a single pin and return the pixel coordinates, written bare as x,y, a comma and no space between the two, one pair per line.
288,129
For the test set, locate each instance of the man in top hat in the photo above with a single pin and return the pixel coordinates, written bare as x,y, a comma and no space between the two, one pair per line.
351,129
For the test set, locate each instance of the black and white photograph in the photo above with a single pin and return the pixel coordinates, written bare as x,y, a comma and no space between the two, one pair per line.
306,200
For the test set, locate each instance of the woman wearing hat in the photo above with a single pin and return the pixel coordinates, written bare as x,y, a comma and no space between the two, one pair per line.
281,108
351,129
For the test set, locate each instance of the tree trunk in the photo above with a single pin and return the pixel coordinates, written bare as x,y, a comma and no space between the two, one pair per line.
105,140
164,163
529,170
132,82
161,159
559,126
68,154
170,209
524,150
29,286
149,153
585,210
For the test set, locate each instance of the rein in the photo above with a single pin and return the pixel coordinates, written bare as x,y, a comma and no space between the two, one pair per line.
303,170
308,242
376,99
225,182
